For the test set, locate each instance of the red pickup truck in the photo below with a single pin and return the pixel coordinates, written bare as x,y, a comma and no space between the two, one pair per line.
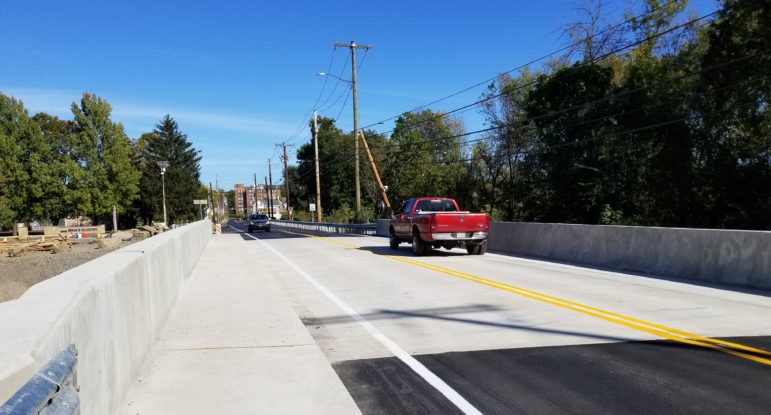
438,222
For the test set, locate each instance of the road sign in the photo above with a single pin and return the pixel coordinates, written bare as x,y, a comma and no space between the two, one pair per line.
199,201
313,207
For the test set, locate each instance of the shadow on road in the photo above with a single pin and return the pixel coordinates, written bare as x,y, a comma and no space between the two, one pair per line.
406,251
451,314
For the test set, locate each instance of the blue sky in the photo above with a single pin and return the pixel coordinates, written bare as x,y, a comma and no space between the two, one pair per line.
238,76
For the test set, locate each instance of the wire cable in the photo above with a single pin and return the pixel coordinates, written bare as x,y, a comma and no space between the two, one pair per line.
555,76
525,65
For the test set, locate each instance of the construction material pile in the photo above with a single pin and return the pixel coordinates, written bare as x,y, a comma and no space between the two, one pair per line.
14,246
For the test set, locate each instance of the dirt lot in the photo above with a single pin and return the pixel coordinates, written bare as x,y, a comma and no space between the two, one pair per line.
17,274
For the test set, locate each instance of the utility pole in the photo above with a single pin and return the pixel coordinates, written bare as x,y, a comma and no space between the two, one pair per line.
254,191
267,199
270,196
316,160
353,47
211,202
286,179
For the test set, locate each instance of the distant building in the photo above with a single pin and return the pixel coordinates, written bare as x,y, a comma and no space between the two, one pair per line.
243,199
251,199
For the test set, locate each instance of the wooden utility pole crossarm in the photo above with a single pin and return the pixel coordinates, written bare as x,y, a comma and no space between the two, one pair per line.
352,45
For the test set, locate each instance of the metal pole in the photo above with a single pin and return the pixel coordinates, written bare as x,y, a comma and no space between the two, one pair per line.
163,183
316,160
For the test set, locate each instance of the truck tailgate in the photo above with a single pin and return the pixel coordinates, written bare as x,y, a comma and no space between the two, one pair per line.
459,222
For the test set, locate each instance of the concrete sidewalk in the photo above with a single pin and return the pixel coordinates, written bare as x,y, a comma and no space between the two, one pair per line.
234,345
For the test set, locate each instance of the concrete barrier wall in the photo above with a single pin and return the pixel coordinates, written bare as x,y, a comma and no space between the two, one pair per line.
733,257
111,308
740,258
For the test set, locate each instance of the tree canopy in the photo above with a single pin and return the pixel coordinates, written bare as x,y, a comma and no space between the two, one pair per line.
663,121
53,168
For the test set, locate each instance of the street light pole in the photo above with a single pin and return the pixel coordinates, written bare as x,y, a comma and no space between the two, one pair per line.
163,165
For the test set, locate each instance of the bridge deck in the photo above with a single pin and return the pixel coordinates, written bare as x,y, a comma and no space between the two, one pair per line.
296,322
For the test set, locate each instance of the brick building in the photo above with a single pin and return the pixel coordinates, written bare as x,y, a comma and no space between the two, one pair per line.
247,196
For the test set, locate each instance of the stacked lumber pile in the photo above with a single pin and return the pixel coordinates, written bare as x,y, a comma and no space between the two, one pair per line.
14,246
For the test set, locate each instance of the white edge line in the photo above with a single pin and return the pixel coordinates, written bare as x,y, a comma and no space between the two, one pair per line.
394,348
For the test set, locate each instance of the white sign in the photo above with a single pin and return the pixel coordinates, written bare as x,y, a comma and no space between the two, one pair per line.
313,207
199,201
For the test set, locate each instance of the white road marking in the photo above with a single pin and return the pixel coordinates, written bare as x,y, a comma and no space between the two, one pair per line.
394,348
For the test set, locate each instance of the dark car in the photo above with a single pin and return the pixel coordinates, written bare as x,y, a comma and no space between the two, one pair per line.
258,221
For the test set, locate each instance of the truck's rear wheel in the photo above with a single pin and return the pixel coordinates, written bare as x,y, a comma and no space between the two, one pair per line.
419,247
482,247
392,241
477,248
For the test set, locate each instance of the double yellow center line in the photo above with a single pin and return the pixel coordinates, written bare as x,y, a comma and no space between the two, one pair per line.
658,330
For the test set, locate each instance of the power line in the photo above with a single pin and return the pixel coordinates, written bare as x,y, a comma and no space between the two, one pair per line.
332,158
625,132
337,82
587,63
577,43
318,98
344,104
582,122
339,97
606,98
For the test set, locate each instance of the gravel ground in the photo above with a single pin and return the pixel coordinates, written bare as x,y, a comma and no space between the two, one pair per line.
17,274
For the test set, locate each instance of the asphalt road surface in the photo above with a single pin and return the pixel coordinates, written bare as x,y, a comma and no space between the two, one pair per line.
453,333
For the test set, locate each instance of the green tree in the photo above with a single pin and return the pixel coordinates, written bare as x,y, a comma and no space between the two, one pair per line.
59,136
12,176
424,156
108,177
733,143
570,149
33,187
182,177
335,168
504,160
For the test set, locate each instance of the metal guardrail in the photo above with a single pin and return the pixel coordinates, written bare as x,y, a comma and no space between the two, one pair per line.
360,229
52,391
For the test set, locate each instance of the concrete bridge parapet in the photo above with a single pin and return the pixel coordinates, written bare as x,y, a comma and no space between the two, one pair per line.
111,308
